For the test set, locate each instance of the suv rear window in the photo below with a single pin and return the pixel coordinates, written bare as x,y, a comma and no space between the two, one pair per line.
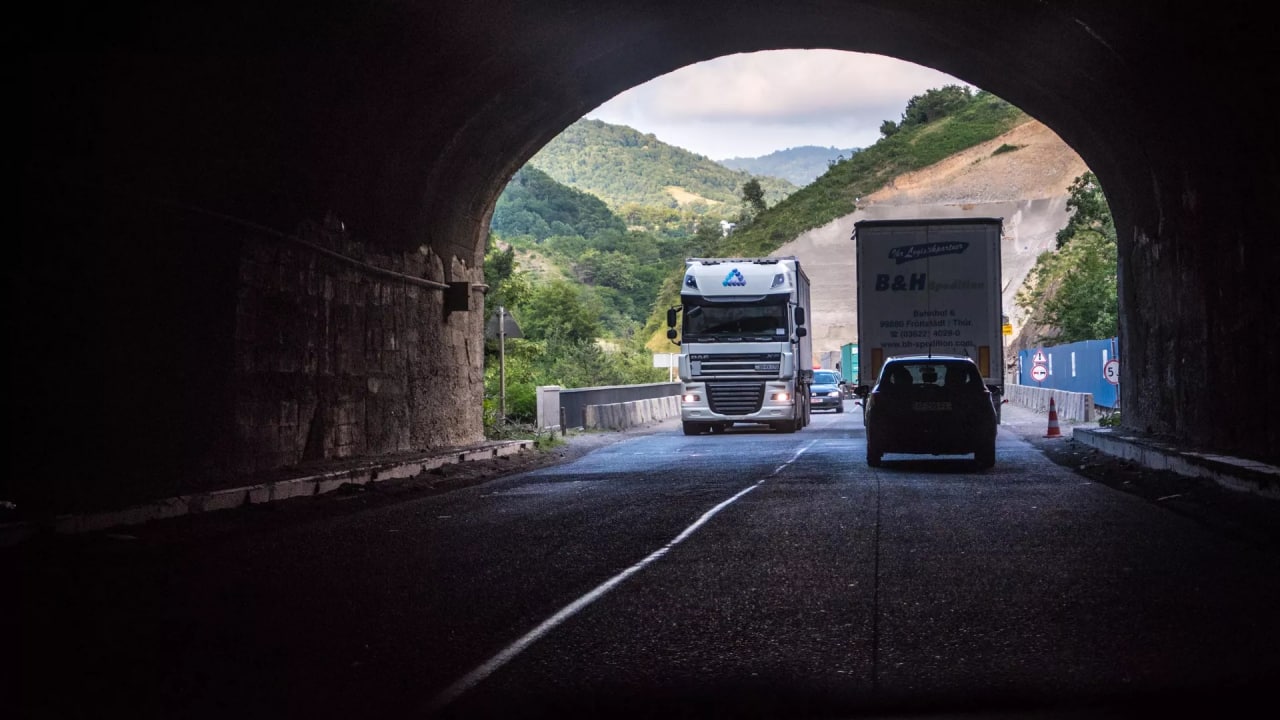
951,376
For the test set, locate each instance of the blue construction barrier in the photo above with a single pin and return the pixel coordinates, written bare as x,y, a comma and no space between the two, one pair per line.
1081,367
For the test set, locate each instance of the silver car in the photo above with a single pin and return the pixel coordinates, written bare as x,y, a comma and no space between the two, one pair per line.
826,392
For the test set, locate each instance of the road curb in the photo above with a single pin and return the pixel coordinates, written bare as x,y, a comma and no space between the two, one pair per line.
307,485
1232,473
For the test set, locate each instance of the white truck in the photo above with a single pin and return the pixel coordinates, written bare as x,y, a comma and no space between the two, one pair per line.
745,354
930,286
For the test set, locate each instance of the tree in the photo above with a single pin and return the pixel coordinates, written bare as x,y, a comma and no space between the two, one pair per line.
580,363
508,285
753,197
561,311
1090,210
934,105
705,239
1074,289
521,368
1085,306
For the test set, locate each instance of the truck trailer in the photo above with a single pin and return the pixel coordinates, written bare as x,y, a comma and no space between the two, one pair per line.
849,365
745,353
930,286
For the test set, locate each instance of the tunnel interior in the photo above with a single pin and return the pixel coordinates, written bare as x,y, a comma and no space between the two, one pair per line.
178,160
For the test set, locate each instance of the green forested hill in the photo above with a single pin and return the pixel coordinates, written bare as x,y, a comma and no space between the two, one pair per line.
798,165
534,204
618,269
623,166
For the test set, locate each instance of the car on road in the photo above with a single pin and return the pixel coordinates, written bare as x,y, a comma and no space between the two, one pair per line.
827,391
933,404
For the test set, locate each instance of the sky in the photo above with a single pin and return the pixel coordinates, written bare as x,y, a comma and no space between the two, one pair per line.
751,104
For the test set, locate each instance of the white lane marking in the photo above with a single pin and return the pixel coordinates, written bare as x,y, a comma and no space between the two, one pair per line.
508,653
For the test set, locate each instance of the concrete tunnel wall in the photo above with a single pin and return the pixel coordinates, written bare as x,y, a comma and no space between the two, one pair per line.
150,126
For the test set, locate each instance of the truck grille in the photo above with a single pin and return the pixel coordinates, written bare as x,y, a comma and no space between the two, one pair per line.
735,398
737,365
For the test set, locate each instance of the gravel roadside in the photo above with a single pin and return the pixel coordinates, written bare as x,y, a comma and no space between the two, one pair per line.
1242,515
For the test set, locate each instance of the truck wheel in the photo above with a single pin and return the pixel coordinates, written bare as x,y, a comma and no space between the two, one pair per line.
985,457
692,428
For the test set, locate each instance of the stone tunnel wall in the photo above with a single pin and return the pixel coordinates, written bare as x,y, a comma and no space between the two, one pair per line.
335,360
170,347
1197,331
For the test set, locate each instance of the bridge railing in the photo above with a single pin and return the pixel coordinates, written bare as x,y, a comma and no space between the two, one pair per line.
615,407
610,407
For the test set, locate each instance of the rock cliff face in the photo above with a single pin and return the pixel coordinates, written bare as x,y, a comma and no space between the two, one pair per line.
1027,187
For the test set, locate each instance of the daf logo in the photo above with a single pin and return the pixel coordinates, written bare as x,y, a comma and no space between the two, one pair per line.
734,279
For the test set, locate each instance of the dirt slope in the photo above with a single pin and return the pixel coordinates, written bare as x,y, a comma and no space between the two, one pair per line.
1027,187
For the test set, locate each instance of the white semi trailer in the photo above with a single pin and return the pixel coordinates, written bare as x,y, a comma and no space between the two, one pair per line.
745,353
930,286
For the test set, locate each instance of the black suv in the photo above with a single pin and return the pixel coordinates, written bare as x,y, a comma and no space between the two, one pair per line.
930,404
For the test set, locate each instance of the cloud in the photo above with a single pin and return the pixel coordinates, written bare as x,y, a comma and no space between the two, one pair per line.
754,103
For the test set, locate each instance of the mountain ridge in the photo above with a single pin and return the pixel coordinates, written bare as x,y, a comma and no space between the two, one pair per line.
799,165
621,166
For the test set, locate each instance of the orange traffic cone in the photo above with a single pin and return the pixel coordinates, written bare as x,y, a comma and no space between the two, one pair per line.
1053,421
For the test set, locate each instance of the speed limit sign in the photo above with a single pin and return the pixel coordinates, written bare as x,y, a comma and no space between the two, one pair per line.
1111,371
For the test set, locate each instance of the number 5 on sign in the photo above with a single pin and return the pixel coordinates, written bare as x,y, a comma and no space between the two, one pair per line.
1111,371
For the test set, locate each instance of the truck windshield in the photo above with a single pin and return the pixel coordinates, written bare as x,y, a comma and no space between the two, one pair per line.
724,321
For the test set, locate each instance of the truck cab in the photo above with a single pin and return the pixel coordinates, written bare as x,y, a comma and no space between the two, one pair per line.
745,351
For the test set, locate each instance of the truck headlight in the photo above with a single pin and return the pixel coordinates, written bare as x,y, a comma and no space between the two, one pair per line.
690,398
781,397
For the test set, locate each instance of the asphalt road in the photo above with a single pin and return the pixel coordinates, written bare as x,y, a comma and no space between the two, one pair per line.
749,574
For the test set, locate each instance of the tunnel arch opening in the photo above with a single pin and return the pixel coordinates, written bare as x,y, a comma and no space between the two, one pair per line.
719,97
1101,88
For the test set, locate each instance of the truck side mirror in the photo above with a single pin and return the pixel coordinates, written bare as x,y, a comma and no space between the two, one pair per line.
801,332
671,333
800,316
671,319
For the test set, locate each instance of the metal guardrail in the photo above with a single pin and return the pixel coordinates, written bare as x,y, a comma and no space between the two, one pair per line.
566,407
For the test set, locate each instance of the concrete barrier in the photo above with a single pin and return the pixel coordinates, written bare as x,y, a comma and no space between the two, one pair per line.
619,416
567,407
1073,406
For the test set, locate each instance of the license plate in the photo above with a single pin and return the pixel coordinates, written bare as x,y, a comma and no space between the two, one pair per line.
940,406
